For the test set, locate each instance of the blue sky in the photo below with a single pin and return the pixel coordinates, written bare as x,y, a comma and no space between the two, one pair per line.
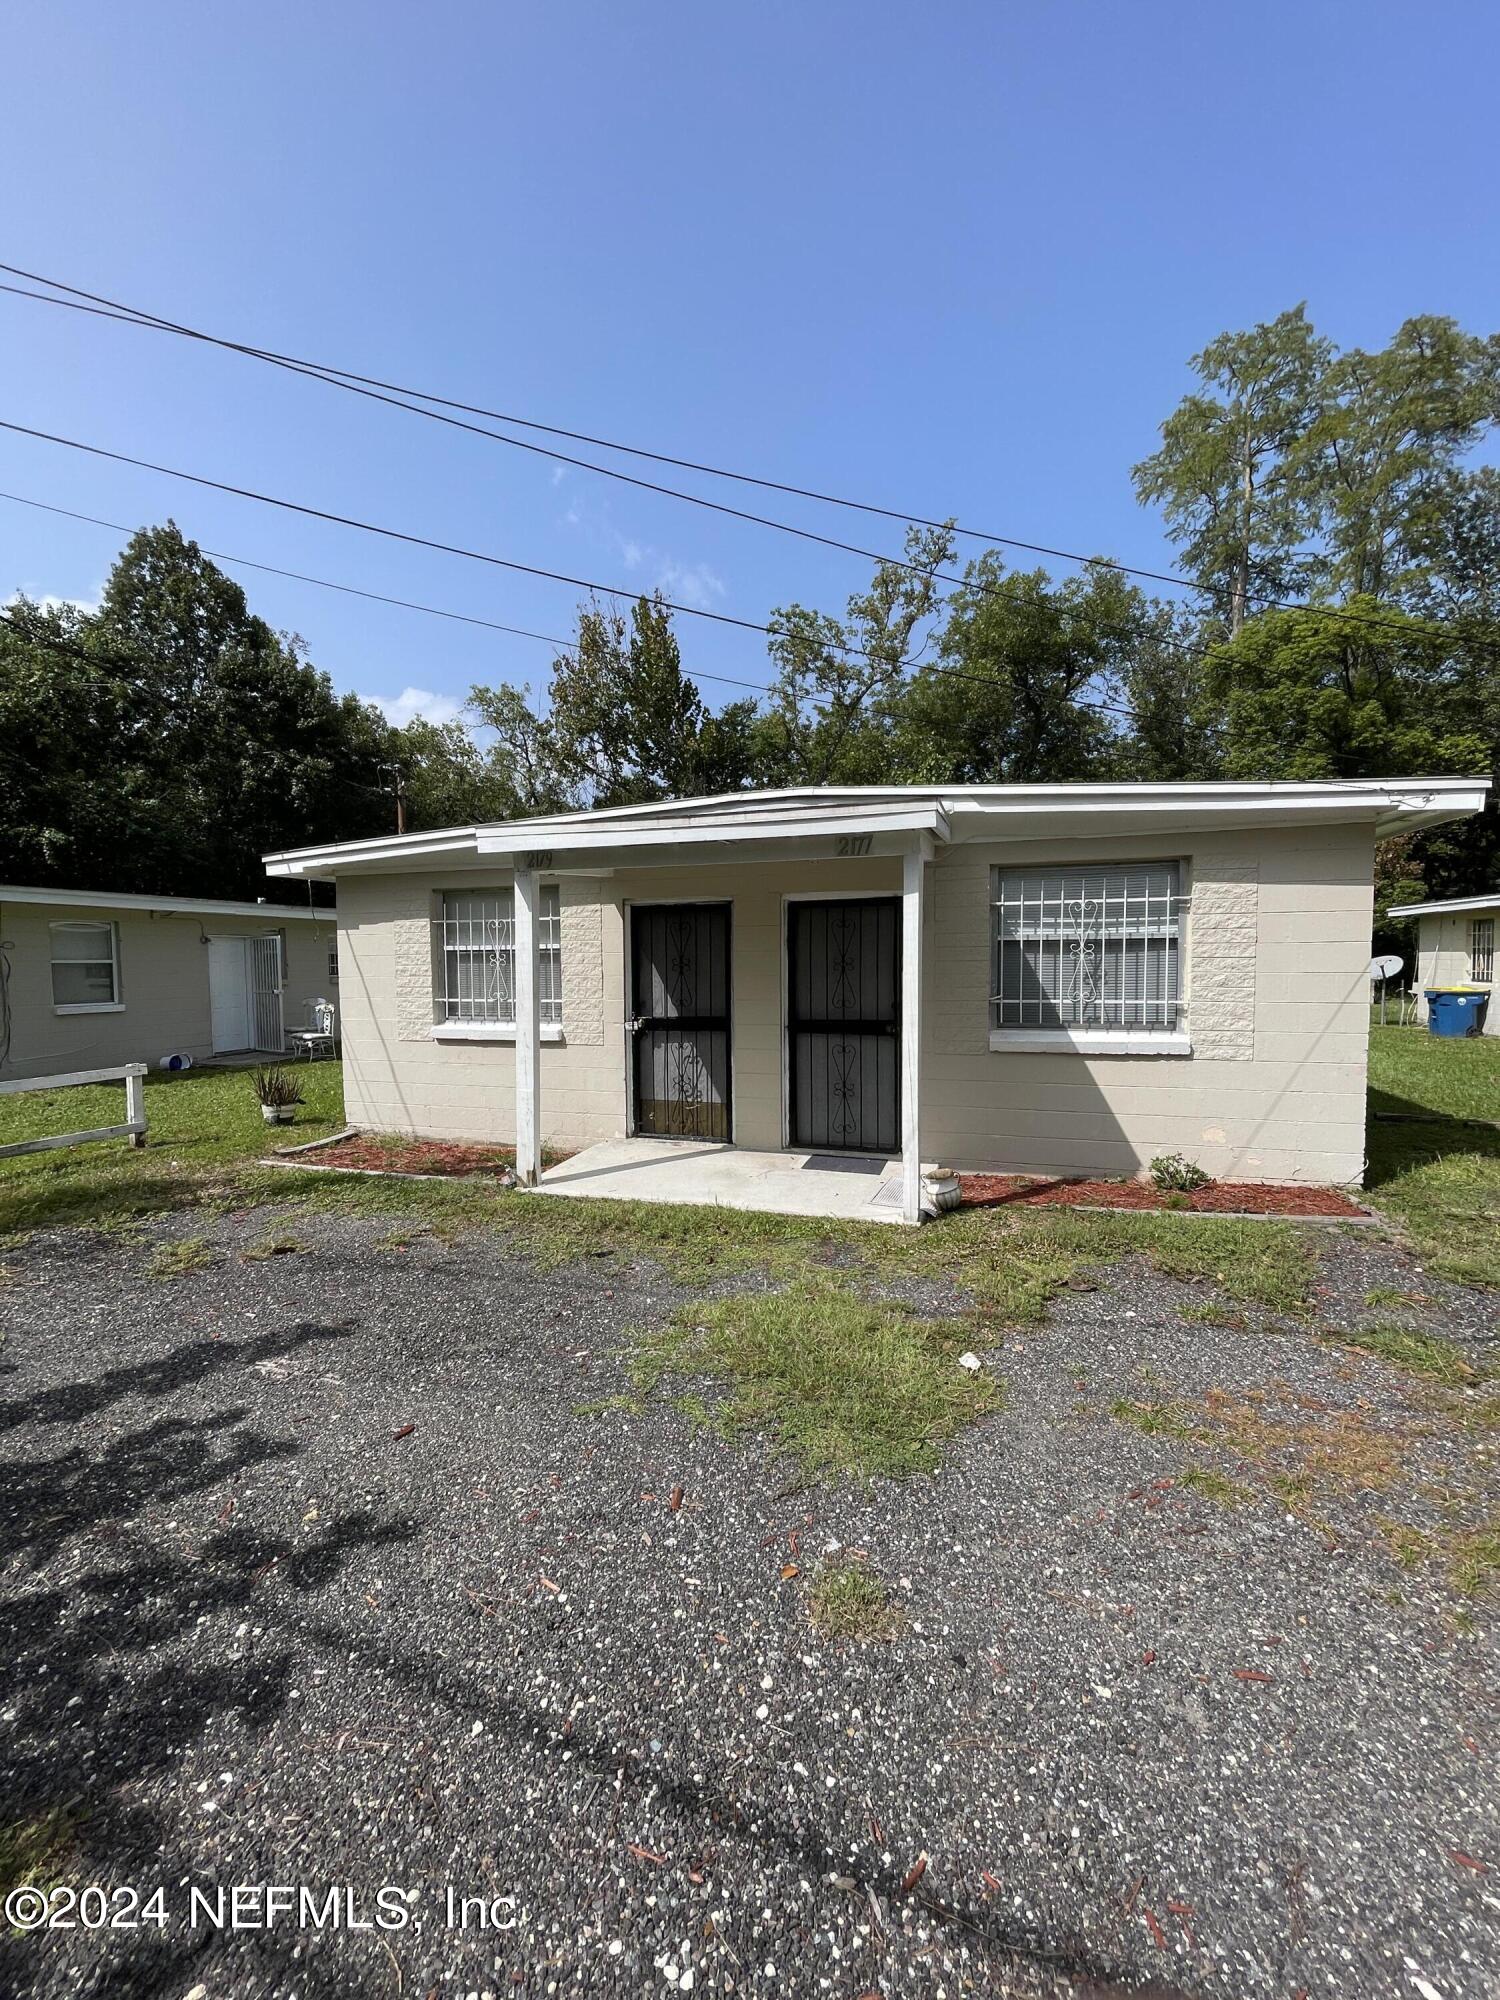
952,258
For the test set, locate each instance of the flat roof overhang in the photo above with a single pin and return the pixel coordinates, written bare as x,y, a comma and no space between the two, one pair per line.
163,906
1457,906
750,827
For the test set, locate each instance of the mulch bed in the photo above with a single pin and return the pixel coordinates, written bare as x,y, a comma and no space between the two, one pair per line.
1218,1198
415,1156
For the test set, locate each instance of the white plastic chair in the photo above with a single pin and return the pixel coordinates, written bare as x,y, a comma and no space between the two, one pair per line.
320,1035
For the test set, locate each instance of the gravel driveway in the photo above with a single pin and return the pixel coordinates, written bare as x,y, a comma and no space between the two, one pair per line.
315,1570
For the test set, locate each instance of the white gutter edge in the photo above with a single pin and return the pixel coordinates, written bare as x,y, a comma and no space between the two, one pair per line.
184,906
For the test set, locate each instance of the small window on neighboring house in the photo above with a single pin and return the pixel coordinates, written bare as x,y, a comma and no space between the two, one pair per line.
333,964
85,967
1482,949
479,957
1086,948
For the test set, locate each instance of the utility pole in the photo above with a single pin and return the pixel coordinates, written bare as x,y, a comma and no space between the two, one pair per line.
398,782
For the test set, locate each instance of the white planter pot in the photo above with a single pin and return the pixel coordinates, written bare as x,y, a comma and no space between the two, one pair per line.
940,1191
278,1114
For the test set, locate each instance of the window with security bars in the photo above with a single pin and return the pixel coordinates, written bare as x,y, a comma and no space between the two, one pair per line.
1086,947
479,957
1482,949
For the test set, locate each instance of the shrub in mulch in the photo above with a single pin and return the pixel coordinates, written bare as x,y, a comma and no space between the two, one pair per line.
419,1156
1217,1198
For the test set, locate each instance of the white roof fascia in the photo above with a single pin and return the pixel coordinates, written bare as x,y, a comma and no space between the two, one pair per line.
1458,906
315,862
188,906
570,837
1395,804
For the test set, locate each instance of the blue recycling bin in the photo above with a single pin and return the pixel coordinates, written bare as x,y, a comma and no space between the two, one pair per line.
1456,1011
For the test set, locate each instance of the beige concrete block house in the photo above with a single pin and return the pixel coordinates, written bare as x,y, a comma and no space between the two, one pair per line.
1456,947
1053,978
92,980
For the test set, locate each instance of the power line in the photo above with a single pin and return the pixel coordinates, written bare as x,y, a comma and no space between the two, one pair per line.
445,548
337,379
390,534
101,306
565,647
131,316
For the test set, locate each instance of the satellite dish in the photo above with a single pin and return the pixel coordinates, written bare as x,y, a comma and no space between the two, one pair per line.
1387,966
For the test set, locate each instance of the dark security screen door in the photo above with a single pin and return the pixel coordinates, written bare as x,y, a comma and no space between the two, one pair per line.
844,1024
679,997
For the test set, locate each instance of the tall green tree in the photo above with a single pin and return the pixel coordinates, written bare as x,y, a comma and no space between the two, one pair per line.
525,748
1024,669
629,726
72,807
1391,429
828,719
1306,695
193,738
1175,727
1456,583
1231,475
447,778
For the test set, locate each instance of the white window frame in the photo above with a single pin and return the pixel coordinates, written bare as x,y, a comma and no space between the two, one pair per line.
1125,1038
1481,952
456,936
114,1005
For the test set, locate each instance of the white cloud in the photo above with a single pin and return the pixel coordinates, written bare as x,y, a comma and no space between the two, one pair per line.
690,583
413,701
559,474
88,605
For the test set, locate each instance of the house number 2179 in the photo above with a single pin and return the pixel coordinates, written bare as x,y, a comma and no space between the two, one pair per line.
854,843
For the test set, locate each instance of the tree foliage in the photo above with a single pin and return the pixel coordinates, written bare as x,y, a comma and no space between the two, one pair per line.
1023,669
1233,472
829,717
168,740
628,725
1306,696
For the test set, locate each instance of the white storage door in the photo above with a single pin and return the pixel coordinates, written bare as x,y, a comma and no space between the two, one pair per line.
229,994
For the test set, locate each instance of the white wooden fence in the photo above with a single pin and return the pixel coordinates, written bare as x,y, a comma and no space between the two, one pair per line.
132,1075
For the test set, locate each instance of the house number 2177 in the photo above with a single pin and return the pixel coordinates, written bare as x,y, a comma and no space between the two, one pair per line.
854,843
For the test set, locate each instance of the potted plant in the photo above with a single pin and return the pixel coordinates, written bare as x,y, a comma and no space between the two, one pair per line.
279,1093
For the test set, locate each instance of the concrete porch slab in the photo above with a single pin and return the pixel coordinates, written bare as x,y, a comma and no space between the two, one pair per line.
686,1170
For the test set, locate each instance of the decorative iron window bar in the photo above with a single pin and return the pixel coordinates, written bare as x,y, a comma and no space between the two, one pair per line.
477,936
1087,947
1482,950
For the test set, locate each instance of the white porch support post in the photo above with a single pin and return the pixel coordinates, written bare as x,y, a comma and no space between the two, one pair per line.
913,882
527,962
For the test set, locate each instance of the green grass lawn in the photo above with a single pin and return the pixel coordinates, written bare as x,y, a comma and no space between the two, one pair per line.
1434,1170
1412,1071
884,1394
770,1355
206,1137
1434,1165
203,1124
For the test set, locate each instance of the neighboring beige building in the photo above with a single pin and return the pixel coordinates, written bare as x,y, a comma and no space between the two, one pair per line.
1056,978
89,980
1456,947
